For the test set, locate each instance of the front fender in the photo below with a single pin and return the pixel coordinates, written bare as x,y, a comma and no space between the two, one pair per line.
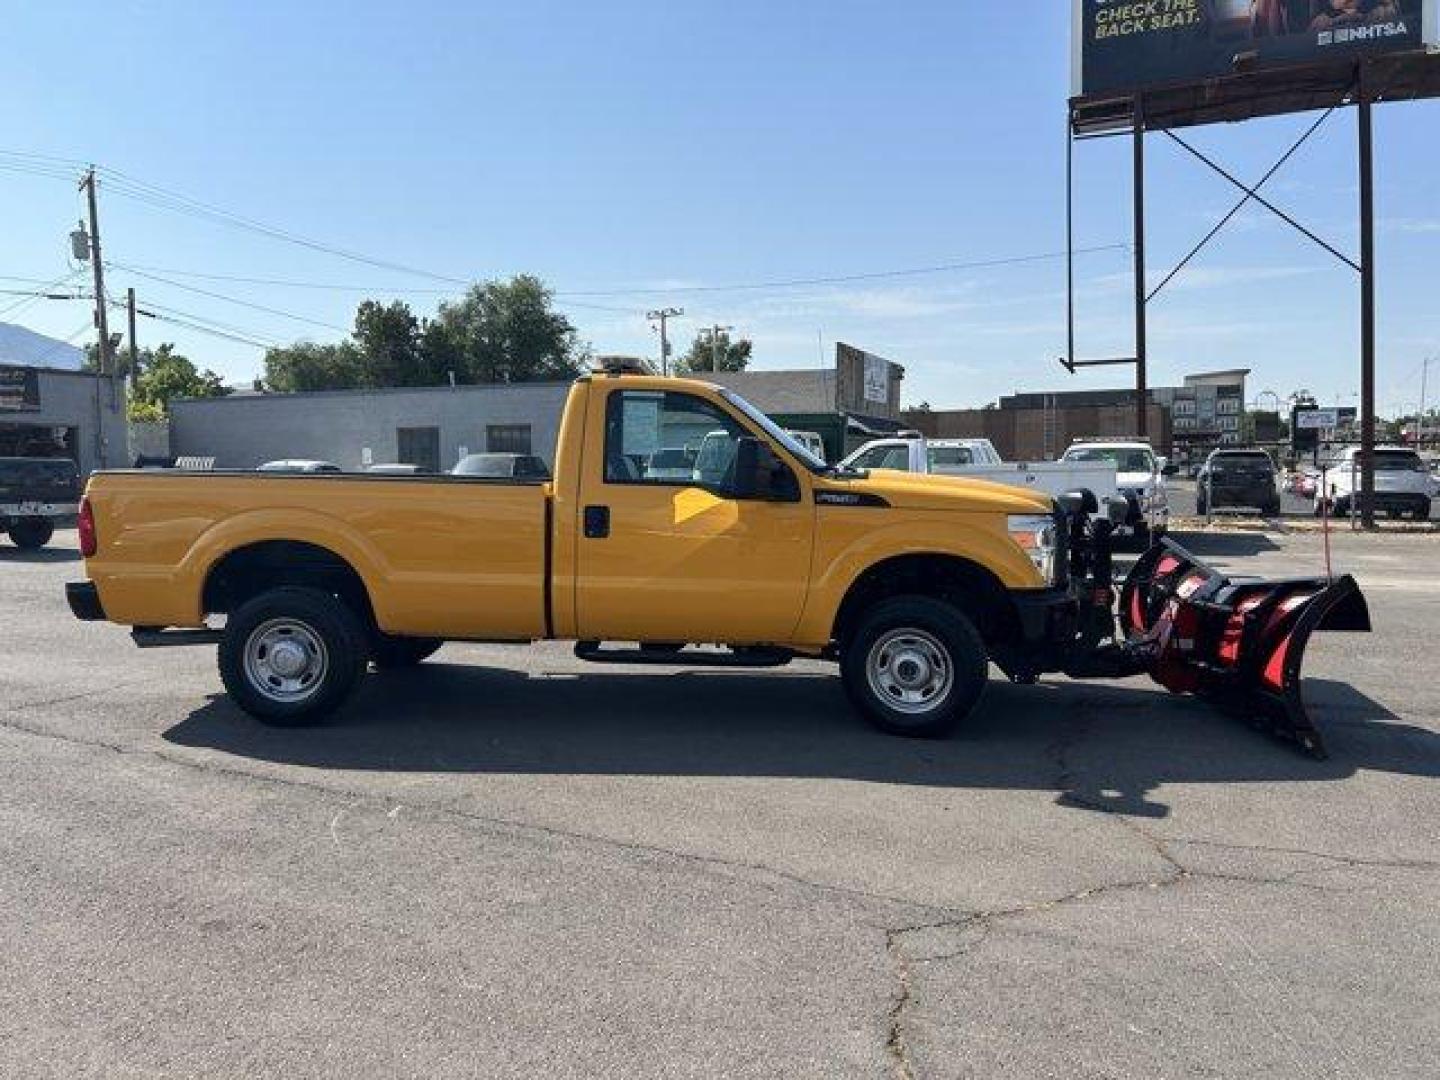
849,545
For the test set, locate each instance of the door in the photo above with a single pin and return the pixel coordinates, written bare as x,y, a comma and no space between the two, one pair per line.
419,446
667,554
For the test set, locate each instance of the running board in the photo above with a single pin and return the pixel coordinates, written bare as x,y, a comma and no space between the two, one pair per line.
148,637
755,657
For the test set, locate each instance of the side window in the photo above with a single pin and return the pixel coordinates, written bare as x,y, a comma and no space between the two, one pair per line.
507,438
655,437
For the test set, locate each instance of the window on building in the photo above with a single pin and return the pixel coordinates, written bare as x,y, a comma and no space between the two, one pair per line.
419,446
507,438
1183,407
1227,406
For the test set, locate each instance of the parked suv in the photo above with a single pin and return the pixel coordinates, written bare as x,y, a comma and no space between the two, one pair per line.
1402,482
1237,478
34,493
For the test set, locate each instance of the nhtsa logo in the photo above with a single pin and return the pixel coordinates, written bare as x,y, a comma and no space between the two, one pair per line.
1348,35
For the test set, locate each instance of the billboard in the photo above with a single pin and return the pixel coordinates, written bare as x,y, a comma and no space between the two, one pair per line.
1121,46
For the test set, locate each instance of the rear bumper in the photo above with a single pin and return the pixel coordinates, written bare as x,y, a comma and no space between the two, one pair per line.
13,511
84,601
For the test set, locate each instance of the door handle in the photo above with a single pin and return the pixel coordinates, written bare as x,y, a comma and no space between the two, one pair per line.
597,522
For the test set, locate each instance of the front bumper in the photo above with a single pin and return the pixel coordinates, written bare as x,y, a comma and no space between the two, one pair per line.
84,601
1046,616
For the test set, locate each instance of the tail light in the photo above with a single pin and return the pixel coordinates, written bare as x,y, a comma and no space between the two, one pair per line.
85,525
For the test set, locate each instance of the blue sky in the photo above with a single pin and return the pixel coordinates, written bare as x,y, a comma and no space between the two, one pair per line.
668,148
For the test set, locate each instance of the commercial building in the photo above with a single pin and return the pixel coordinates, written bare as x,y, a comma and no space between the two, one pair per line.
48,412
1186,421
434,427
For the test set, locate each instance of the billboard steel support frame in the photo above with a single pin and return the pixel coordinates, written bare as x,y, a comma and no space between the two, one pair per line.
1367,305
1364,93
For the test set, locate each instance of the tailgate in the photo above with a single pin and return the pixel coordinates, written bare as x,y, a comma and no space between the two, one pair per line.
37,481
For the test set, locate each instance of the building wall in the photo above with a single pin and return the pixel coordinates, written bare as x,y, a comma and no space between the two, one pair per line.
86,403
1019,434
243,431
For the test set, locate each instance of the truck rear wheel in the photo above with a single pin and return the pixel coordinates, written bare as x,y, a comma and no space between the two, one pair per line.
30,534
291,656
915,666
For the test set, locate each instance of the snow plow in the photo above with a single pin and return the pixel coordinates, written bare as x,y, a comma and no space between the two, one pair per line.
1238,643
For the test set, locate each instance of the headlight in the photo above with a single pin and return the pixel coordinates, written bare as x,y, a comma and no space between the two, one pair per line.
1037,535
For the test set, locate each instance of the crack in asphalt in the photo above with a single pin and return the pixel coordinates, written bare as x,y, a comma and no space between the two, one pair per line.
443,809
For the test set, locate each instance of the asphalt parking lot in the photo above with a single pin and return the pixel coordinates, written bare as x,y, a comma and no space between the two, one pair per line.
509,863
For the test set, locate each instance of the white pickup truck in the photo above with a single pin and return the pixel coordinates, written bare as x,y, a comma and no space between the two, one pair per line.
978,458
1402,482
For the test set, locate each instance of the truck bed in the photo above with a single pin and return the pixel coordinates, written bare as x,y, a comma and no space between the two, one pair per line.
441,556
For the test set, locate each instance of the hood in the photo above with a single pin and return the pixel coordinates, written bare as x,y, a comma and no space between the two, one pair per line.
1135,479
921,491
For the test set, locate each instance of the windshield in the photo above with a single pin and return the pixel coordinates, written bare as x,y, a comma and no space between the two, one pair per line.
779,434
1124,458
1229,462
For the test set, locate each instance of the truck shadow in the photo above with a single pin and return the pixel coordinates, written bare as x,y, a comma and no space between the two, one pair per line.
1100,748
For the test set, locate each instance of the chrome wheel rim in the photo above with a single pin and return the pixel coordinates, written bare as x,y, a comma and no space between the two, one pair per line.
285,660
909,670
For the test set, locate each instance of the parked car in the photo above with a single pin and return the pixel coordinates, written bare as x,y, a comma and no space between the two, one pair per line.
1402,482
503,466
35,493
1238,478
396,468
1140,475
914,585
300,465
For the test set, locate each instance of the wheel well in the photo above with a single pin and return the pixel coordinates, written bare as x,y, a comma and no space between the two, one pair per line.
248,571
968,585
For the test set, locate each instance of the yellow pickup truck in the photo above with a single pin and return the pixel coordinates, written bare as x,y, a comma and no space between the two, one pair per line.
681,527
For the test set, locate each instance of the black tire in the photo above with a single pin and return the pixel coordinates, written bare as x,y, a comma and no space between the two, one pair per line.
1422,511
401,652
1199,507
1271,509
1341,509
329,637
31,534
938,628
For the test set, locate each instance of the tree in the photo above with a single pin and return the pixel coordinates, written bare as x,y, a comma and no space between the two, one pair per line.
308,366
504,332
165,374
714,351
388,339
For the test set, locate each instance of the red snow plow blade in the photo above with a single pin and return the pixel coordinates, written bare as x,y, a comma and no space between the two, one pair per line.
1239,644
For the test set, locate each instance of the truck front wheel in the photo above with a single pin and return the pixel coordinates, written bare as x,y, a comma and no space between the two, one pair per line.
292,655
914,666
31,534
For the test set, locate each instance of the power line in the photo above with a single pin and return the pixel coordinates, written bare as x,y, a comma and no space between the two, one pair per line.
228,299
37,294
142,191
842,279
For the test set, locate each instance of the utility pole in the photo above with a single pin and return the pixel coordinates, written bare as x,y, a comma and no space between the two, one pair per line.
102,323
97,268
715,332
134,348
663,316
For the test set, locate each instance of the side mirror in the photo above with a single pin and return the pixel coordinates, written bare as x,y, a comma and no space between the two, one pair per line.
760,474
